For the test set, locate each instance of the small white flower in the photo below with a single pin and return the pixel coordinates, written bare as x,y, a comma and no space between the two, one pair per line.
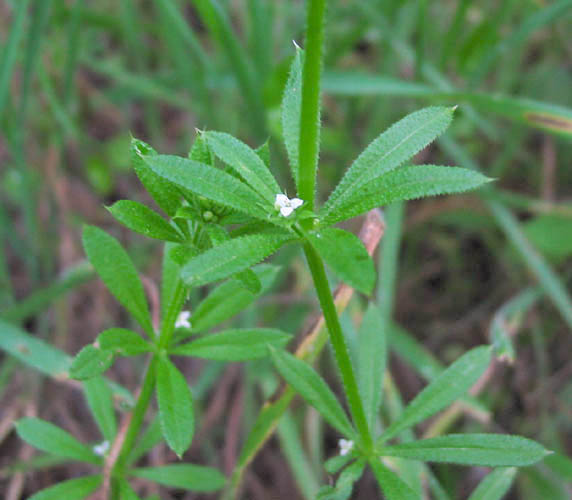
101,449
183,320
286,205
345,446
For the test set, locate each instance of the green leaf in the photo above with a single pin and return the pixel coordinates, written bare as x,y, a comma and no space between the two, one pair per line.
90,362
169,277
74,489
407,183
551,235
291,109
494,485
175,407
143,220
372,359
200,151
344,483
126,492
47,437
488,450
245,162
165,193
390,150
334,464
33,351
346,256
186,476
210,182
446,388
231,257
100,401
263,153
393,487
235,345
249,280
313,389
230,298
123,342
118,273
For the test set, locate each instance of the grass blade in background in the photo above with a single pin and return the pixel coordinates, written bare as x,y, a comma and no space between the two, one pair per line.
495,485
9,51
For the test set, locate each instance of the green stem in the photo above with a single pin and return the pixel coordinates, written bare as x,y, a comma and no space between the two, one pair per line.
137,417
138,414
339,344
310,113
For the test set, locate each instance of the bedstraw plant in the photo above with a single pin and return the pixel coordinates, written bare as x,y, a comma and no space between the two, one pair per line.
223,214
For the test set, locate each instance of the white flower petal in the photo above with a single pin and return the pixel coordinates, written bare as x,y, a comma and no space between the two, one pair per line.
296,202
345,446
281,201
286,211
183,320
101,449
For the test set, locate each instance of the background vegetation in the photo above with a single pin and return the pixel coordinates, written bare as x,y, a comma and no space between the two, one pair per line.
78,77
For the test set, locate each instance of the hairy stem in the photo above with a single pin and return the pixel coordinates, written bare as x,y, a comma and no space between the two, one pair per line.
310,113
338,343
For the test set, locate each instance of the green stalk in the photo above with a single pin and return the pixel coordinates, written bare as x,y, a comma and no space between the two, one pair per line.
338,343
310,114
138,414
137,417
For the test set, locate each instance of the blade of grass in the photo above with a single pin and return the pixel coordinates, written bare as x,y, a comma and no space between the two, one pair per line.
218,23
74,44
40,299
509,44
549,117
292,447
10,50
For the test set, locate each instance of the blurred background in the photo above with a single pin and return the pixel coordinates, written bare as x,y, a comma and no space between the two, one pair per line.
79,78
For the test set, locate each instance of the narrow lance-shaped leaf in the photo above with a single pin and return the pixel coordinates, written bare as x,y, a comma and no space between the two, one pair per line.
346,256
100,401
393,487
186,476
126,492
488,450
390,150
175,407
372,358
143,220
122,341
313,389
495,485
230,298
231,257
245,162
291,109
235,345
165,193
446,388
118,273
51,439
74,489
169,277
34,352
407,183
90,362
210,182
